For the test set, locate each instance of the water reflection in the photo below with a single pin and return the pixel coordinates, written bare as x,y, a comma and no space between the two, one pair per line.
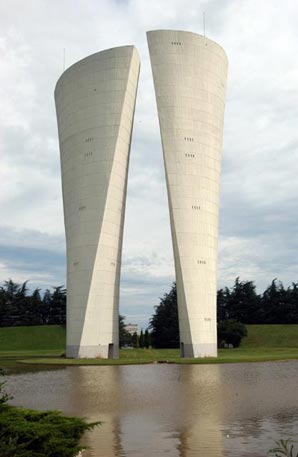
203,413
96,395
176,410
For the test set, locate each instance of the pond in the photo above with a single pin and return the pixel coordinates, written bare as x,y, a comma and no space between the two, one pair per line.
171,410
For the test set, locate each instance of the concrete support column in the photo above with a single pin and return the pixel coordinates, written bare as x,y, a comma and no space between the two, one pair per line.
190,73
95,102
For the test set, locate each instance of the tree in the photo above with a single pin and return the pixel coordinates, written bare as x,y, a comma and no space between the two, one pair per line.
124,335
147,339
32,312
292,304
45,308
18,307
57,309
164,323
14,296
280,305
243,304
135,340
230,332
141,339
223,297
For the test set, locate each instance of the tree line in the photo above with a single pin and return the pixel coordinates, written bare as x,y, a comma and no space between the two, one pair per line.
240,304
276,305
19,306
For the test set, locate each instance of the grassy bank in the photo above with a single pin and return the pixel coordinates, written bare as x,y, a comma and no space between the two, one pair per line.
40,339
271,336
46,345
143,356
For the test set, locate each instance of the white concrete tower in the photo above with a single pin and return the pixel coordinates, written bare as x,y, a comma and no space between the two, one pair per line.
190,73
95,102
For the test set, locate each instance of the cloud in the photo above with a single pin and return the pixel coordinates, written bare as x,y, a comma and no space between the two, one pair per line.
32,255
258,222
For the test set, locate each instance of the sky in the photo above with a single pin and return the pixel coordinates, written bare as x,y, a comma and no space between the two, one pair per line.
259,191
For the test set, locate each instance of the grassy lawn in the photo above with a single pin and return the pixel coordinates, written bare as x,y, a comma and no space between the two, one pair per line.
35,339
46,345
273,336
143,356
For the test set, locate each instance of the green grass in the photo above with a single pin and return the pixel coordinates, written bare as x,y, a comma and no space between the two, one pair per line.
37,338
274,336
152,354
46,345
143,356
35,341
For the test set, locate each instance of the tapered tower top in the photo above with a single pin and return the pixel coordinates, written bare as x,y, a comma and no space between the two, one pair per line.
180,37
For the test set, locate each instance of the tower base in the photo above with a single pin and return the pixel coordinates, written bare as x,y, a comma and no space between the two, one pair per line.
198,350
109,351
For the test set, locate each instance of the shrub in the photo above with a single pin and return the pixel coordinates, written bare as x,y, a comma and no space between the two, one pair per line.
283,448
39,433
230,332
28,433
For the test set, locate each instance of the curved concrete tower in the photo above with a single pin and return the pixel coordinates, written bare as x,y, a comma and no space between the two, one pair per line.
95,102
189,73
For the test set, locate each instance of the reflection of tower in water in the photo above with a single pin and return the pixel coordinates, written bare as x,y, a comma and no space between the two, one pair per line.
149,410
201,434
95,393
174,410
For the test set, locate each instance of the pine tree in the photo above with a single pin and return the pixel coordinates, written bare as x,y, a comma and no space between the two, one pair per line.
164,323
125,337
141,340
147,339
135,340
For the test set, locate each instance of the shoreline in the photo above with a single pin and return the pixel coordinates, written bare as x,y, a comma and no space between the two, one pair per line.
278,355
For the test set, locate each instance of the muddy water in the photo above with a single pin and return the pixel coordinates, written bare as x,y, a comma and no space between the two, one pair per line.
171,410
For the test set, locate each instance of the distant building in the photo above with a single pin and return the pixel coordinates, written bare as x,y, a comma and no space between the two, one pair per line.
132,328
